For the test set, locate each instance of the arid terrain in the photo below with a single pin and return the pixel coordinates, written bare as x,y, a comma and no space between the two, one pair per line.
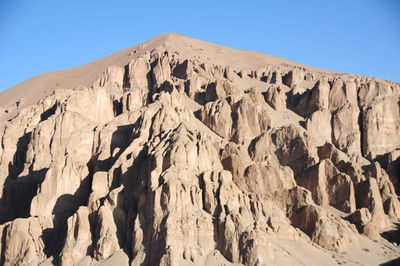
181,152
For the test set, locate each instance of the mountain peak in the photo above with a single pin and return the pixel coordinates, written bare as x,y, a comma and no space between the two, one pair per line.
178,151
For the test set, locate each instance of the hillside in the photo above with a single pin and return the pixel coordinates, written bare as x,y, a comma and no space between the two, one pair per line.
181,152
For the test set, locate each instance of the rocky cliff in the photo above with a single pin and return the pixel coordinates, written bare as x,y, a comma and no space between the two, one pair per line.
182,152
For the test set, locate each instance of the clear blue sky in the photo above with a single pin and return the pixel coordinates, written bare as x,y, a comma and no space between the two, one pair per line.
353,36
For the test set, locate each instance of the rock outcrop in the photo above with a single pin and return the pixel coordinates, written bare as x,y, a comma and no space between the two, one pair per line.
170,158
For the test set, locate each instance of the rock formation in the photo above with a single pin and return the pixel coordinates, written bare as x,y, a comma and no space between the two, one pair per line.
181,152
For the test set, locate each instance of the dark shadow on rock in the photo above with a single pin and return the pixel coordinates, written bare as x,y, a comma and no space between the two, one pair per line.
18,192
393,236
301,104
135,182
21,190
394,262
66,205
181,70
392,167
3,244
17,165
49,112
126,83
264,79
117,107
121,138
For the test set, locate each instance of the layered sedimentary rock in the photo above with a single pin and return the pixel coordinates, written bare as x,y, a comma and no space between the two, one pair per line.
172,154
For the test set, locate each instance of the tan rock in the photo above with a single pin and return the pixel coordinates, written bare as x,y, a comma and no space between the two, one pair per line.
392,168
381,122
107,241
134,100
229,74
305,102
112,77
138,72
217,116
194,88
346,130
360,218
329,186
261,147
320,95
387,191
368,196
268,177
216,90
371,231
299,153
162,71
294,77
79,238
372,88
184,70
251,117
319,125
276,97
23,242
174,157
328,232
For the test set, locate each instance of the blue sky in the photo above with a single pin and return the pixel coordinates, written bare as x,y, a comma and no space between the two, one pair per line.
353,36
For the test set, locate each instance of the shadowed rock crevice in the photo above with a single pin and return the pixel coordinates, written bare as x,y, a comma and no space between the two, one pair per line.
49,112
393,235
22,190
3,245
19,191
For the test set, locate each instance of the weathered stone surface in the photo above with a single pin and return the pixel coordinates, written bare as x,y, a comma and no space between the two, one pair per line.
276,97
107,241
112,77
187,153
345,129
295,148
387,191
329,232
393,168
307,101
268,177
329,186
138,72
381,123
161,72
79,238
217,116
251,117
23,244
360,218
319,125
368,196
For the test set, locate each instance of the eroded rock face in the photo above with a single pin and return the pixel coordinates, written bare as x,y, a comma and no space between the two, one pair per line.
381,124
329,186
166,159
139,70
275,96
78,239
24,241
112,77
